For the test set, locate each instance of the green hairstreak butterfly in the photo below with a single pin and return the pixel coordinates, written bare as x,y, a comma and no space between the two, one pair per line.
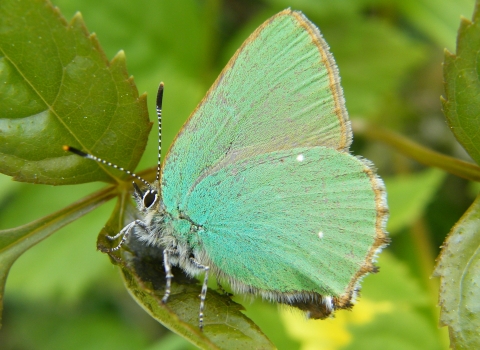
259,187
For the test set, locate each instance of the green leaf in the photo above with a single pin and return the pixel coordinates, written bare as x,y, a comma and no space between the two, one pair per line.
14,242
57,88
408,196
462,86
225,326
459,271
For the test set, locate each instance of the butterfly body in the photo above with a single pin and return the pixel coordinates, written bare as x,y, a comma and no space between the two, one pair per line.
259,187
262,167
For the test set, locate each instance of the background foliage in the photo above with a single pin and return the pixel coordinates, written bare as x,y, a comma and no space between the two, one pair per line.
64,294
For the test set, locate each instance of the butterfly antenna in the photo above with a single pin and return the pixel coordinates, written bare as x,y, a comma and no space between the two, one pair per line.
159,116
99,160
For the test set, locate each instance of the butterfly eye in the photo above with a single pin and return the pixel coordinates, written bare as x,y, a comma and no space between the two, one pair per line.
149,198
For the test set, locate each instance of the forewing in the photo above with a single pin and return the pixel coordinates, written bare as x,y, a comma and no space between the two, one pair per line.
280,91
306,219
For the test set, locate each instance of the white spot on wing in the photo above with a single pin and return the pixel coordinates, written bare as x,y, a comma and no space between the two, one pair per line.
300,157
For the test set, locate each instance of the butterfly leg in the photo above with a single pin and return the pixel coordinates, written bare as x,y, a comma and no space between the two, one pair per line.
167,253
125,232
203,293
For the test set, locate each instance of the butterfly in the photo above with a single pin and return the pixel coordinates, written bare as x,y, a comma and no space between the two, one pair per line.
259,187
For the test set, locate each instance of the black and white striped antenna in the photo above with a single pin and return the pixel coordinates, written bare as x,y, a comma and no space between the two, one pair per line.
99,160
159,117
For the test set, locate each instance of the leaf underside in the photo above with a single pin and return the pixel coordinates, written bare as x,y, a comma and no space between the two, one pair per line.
459,269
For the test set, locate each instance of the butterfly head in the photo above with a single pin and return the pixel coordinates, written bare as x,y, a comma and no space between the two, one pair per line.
147,199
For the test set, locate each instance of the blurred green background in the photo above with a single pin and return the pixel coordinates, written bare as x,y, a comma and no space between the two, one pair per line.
64,294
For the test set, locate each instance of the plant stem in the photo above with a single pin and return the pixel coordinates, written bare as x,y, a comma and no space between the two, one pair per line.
418,152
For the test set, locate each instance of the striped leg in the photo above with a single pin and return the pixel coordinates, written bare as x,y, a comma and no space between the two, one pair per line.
168,272
203,293
125,232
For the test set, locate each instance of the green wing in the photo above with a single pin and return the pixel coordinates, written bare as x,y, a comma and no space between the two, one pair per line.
306,219
281,90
